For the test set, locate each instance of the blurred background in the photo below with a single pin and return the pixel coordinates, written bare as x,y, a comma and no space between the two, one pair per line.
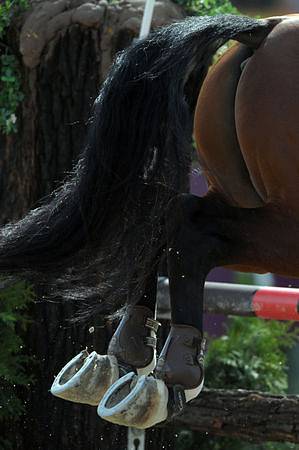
54,55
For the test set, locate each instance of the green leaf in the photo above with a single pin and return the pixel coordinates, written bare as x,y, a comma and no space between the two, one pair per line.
251,355
10,78
14,301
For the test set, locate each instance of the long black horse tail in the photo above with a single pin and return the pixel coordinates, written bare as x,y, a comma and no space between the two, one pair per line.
107,219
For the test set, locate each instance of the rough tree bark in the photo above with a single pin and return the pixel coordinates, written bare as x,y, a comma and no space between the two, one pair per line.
243,414
65,49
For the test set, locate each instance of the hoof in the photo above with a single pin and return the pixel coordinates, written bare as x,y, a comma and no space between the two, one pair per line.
86,378
138,402
144,402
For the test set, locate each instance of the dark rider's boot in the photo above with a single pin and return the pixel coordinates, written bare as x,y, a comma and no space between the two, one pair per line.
132,348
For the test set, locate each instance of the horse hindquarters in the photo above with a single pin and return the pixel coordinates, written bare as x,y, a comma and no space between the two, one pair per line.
266,112
215,132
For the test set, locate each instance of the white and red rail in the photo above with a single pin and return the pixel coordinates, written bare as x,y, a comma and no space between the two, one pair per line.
241,300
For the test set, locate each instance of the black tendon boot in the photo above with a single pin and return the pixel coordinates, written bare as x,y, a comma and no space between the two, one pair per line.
181,366
86,378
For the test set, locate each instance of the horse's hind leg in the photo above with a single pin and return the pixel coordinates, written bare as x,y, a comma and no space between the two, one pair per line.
191,249
204,233
86,378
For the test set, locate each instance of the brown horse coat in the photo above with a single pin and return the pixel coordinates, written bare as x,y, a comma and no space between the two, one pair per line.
247,134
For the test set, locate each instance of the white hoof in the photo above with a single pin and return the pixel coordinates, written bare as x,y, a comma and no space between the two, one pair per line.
86,378
143,402
138,402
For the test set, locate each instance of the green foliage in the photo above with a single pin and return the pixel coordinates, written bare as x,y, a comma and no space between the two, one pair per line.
251,355
10,79
14,301
208,7
8,8
10,93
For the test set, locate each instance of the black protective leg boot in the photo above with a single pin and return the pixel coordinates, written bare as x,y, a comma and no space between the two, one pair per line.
148,400
181,366
134,342
132,348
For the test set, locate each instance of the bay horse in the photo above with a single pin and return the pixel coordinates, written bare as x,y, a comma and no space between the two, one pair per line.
126,205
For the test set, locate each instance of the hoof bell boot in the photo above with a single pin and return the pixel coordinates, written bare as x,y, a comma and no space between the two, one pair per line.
181,366
132,401
86,378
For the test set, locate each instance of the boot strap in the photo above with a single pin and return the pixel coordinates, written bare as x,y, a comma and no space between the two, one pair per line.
201,353
151,341
176,401
152,324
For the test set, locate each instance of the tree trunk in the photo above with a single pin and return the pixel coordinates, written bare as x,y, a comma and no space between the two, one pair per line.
66,49
243,414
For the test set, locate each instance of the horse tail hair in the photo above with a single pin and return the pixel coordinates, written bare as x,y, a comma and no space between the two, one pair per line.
106,223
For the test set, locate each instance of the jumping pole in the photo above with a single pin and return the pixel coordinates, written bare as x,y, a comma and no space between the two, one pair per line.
240,300
147,19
